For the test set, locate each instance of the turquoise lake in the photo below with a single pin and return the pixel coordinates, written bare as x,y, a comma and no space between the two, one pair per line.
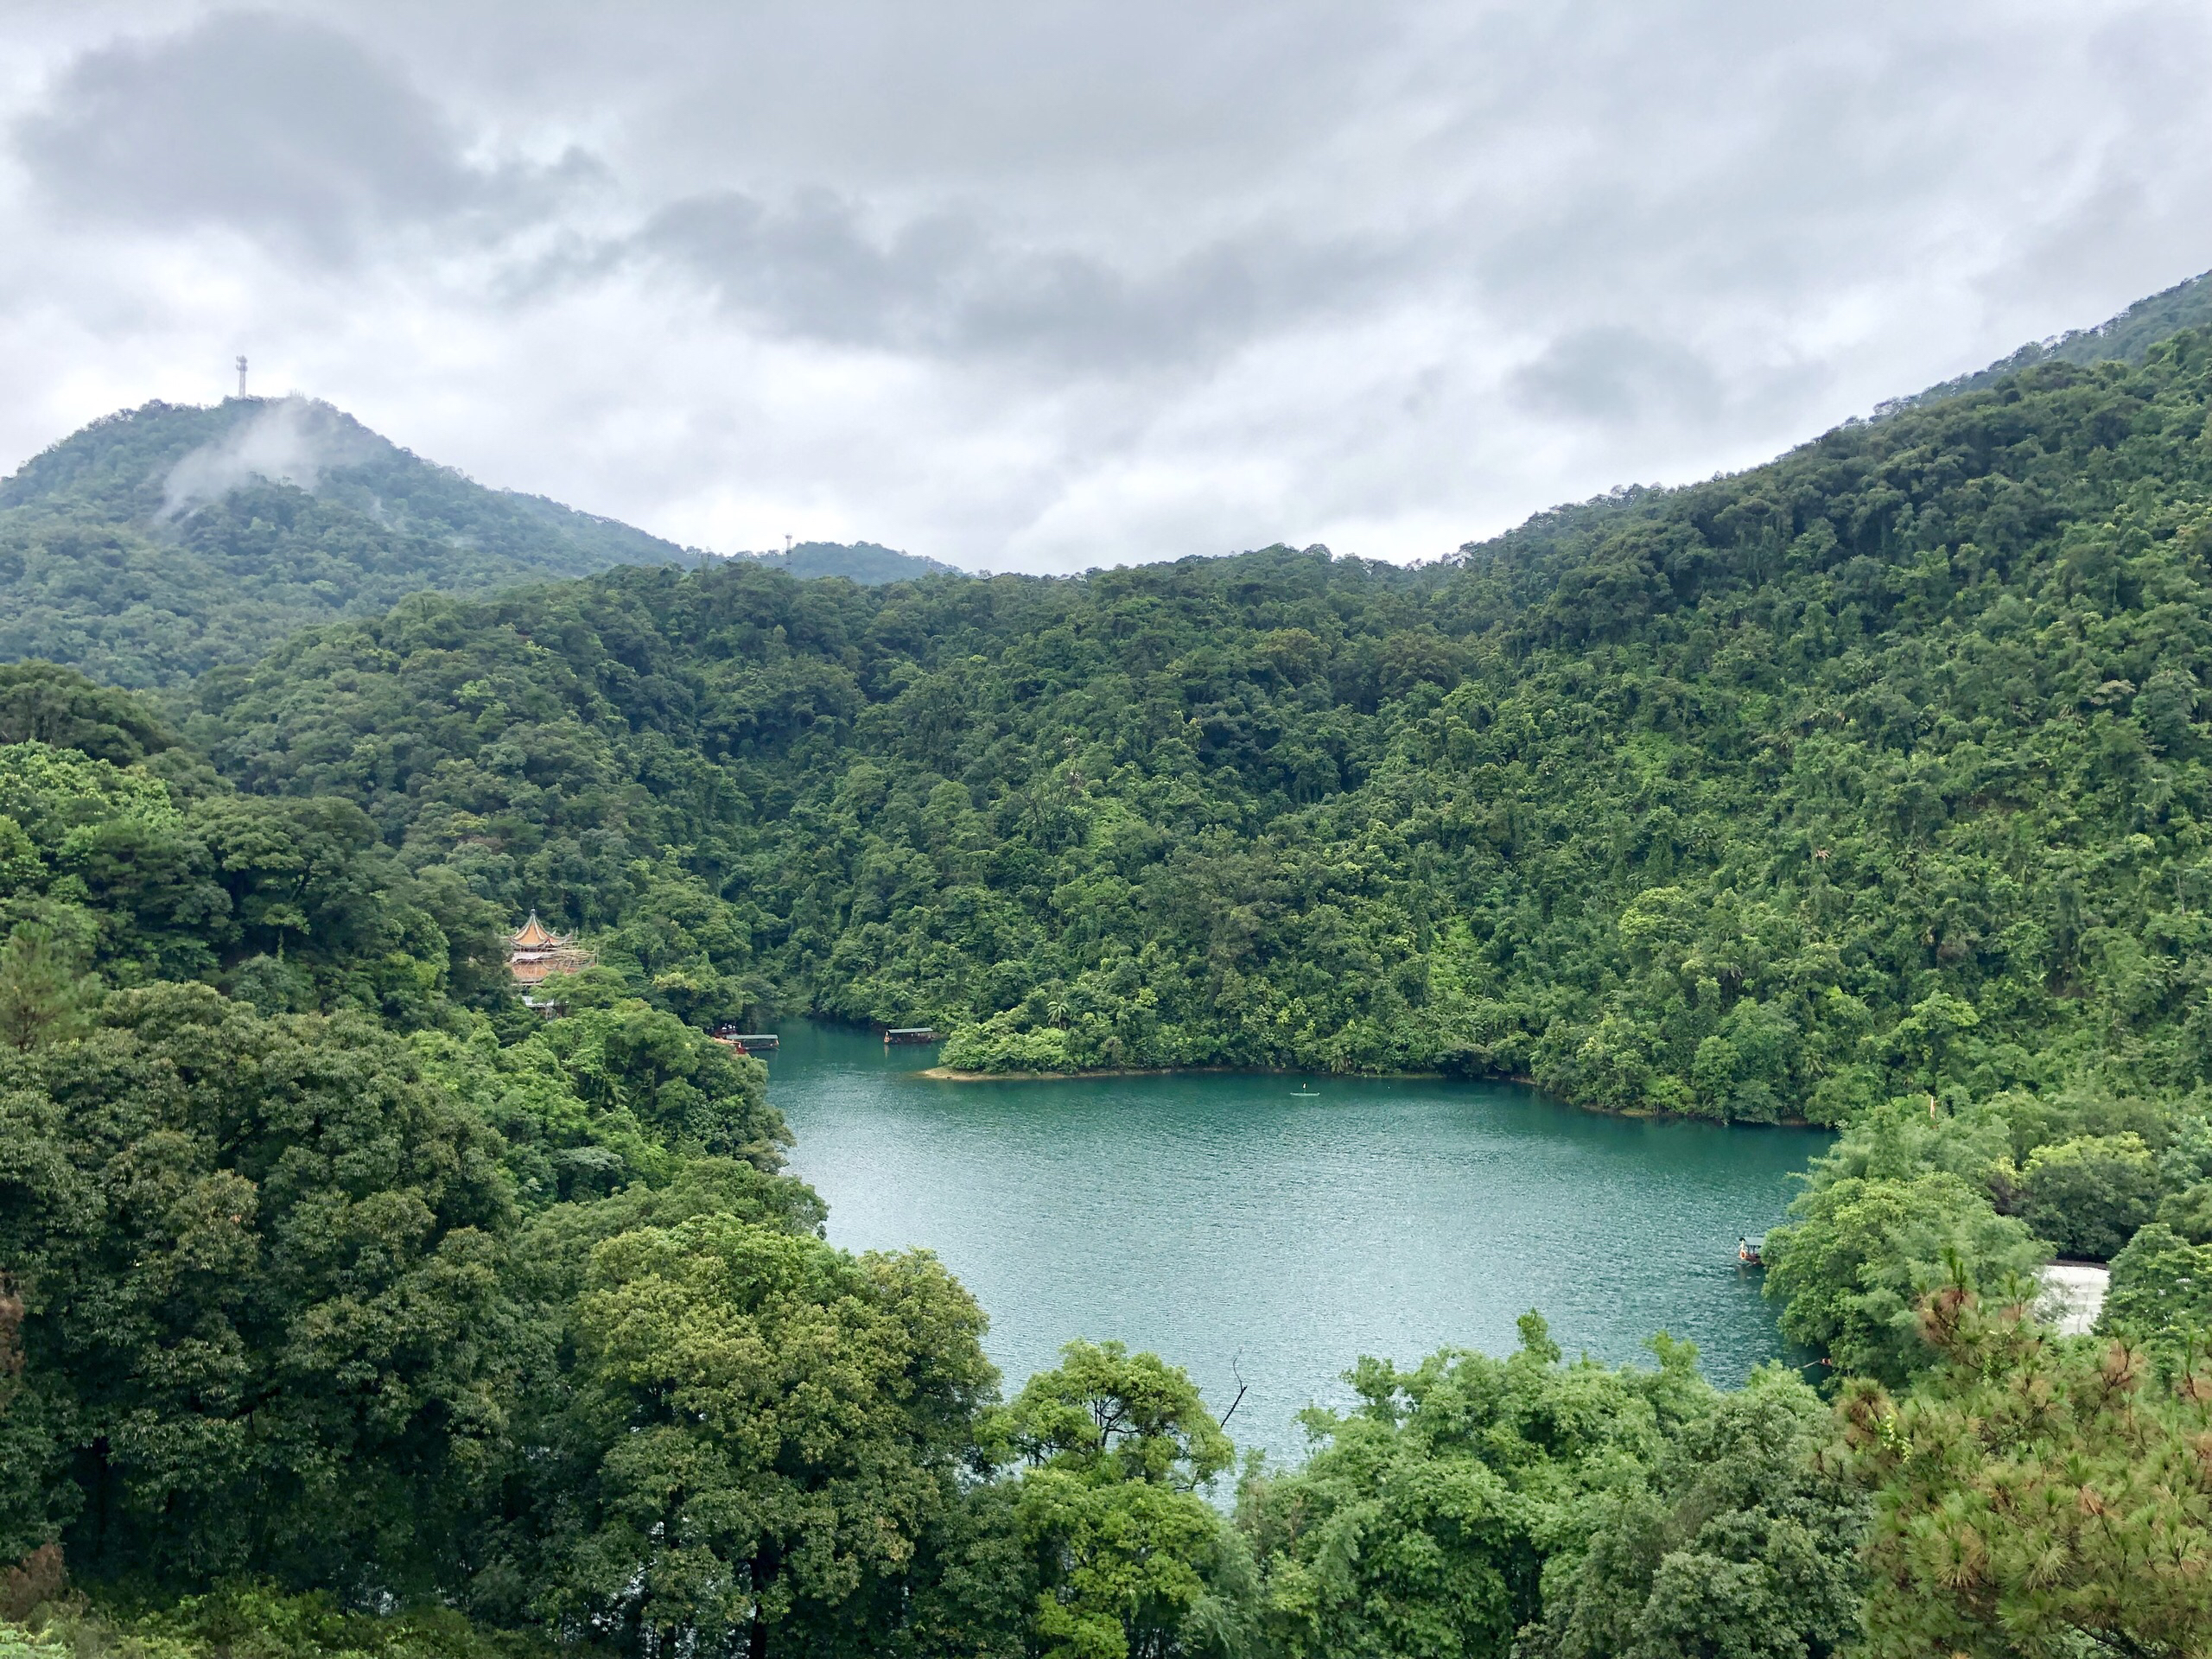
1239,1229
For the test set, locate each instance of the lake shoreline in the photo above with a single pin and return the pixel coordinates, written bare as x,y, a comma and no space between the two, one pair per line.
949,1074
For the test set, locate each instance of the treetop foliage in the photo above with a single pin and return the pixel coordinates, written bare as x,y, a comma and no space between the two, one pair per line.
2034,1494
2126,338
40,702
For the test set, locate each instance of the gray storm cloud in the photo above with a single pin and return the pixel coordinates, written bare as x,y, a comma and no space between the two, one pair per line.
294,441
1616,374
277,126
948,285
1042,288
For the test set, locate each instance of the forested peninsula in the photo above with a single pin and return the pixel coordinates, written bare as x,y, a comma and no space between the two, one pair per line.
348,1305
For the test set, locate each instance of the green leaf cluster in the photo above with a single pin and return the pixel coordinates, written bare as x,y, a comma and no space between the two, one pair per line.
2034,1496
1480,1506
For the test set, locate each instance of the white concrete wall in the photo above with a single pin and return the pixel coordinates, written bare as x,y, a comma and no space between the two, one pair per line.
2072,1296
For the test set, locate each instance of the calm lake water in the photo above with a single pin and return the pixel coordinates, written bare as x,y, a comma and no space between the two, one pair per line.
1236,1228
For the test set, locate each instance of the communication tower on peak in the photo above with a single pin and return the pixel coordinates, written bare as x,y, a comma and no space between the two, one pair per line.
241,374
787,544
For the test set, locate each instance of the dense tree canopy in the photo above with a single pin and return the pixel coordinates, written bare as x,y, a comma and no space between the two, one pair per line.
774,1427
1864,786
2033,1496
259,1262
1421,1523
1744,1542
1879,768
1129,1559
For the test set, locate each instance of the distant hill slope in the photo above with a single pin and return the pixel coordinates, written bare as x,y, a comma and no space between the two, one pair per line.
163,540
2123,339
1525,560
866,562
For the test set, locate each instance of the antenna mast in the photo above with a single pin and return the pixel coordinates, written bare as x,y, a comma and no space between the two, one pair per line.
241,374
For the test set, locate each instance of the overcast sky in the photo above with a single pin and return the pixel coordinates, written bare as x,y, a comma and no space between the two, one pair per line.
1049,285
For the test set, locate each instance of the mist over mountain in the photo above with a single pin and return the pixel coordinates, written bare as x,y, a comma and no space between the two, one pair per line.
163,540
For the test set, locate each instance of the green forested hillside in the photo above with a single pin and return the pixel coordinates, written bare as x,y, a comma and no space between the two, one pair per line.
347,1307
1880,767
2124,339
359,1312
163,540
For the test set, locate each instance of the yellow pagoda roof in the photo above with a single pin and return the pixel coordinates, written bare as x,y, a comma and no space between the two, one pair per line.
533,935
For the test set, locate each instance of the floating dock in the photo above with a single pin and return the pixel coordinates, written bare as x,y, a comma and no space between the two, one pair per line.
912,1034
752,1042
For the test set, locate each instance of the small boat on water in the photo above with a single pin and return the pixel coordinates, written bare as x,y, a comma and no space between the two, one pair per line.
1751,1252
1302,1093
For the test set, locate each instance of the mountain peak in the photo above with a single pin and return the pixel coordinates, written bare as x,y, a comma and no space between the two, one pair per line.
162,540
868,563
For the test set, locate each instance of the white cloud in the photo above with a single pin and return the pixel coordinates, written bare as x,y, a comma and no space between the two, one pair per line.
291,440
1052,287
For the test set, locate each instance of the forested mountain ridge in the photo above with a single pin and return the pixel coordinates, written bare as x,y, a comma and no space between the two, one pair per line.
162,540
868,563
2124,339
1877,767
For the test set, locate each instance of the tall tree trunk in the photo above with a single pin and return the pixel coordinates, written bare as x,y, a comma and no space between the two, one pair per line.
761,1569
